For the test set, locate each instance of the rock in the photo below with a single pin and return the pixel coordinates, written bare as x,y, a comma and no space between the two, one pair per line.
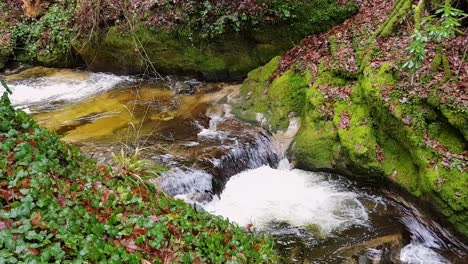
379,250
200,197
185,88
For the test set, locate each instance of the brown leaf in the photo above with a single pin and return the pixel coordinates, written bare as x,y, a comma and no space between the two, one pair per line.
379,153
62,201
130,245
137,231
6,224
36,221
7,195
344,121
34,251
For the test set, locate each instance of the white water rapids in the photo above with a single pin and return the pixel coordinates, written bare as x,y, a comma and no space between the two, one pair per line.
299,198
48,90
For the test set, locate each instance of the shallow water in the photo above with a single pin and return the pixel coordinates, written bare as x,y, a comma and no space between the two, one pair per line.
314,217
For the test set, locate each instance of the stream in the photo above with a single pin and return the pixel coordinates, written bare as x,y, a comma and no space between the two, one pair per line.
231,168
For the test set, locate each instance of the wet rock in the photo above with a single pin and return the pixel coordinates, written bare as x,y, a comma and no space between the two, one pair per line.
383,249
200,197
185,88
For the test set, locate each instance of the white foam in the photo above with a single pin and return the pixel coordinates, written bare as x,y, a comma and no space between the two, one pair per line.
300,198
420,254
54,89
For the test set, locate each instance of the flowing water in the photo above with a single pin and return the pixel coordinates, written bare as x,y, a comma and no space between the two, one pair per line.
231,168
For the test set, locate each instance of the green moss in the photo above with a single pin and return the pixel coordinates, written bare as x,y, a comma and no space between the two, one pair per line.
121,50
358,140
447,71
436,62
264,73
317,146
399,11
4,56
273,100
457,117
398,160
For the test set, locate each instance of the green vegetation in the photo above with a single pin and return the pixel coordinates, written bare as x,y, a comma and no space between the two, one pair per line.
431,29
211,39
46,40
58,206
275,100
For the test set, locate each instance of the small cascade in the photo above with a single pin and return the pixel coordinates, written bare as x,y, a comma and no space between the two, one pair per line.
178,181
265,196
46,92
227,147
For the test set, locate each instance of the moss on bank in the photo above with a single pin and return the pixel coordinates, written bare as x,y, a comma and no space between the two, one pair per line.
58,206
273,100
4,57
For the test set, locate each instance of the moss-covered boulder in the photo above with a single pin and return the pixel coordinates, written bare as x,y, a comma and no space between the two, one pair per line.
4,55
145,51
269,102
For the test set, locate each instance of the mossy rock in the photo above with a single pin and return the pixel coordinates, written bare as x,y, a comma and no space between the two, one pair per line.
4,57
274,101
145,50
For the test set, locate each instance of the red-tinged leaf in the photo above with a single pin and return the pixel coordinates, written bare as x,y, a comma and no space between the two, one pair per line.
168,256
117,243
344,121
379,153
36,221
34,251
106,194
130,245
249,227
137,231
26,183
7,195
11,158
153,218
6,224
62,200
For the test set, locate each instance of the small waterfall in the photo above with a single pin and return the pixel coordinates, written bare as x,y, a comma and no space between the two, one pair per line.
239,147
178,181
265,196
45,92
